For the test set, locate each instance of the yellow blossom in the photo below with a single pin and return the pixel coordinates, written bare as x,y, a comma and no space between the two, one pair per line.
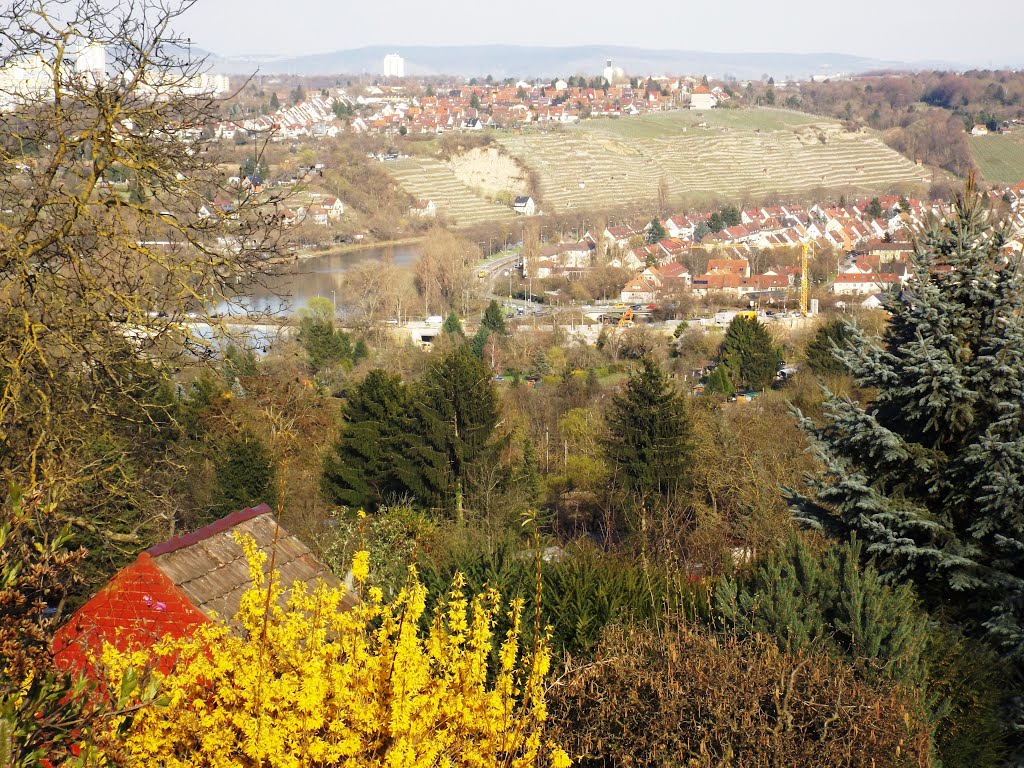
305,683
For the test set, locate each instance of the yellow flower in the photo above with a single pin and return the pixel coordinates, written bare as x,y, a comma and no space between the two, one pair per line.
361,565
305,682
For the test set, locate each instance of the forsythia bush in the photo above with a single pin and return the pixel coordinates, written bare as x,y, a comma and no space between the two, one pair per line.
309,684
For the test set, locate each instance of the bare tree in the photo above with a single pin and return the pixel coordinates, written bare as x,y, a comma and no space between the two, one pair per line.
443,271
118,234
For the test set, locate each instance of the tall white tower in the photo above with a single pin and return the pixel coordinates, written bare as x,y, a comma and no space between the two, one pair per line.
394,65
91,62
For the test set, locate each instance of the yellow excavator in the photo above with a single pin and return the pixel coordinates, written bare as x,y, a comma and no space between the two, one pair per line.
626,320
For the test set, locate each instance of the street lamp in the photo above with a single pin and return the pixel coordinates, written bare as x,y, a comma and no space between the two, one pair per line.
334,298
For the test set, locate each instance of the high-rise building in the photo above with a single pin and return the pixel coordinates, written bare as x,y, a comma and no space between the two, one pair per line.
91,62
394,65
613,74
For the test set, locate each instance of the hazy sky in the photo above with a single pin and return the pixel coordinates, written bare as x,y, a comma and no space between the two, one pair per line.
989,32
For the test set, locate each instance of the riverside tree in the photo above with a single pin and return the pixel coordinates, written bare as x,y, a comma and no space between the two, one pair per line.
930,473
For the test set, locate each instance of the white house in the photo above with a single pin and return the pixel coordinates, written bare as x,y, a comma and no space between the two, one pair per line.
334,207
702,98
424,209
639,290
524,204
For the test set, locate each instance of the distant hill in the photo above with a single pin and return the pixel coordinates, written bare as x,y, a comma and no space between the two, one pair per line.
503,61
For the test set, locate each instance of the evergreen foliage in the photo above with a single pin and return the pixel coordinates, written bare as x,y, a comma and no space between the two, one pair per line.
805,600
454,415
648,445
749,354
719,383
245,475
325,346
368,461
452,326
656,231
494,320
930,474
821,355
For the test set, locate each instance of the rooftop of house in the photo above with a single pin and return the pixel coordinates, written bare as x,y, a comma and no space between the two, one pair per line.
210,567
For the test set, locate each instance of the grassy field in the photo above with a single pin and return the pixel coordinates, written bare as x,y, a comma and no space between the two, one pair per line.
731,154
1000,157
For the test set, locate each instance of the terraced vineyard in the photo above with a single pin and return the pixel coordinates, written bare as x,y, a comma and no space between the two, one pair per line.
1000,157
601,164
431,179
745,155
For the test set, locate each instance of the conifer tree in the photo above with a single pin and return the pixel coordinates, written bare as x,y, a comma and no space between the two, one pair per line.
821,356
805,600
749,354
648,445
325,346
245,475
368,458
930,474
455,414
719,383
452,326
494,320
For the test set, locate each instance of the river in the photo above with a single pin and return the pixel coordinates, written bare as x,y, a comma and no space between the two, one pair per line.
293,284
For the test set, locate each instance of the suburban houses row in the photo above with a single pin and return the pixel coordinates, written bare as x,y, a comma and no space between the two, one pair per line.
873,252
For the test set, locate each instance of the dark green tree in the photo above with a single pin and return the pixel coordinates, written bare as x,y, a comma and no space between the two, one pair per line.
749,354
494,320
244,473
452,326
656,232
874,209
807,600
648,441
822,357
275,103
325,346
455,414
719,383
527,475
930,472
368,460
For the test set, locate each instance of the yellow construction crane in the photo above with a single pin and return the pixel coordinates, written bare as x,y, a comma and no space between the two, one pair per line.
805,287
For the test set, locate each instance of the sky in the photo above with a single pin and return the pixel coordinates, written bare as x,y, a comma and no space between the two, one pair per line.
987,33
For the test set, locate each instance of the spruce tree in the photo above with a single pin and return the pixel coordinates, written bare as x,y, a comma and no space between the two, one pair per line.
455,414
805,600
648,442
930,473
494,320
719,383
655,231
452,326
244,475
821,351
749,354
324,345
369,457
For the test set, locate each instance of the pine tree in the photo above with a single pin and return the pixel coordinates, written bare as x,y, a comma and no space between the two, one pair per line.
749,354
455,414
244,475
648,445
494,320
719,383
930,474
324,345
656,231
805,600
369,458
821,352
452,326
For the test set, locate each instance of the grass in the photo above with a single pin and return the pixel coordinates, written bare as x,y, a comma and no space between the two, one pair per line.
678,122
1000,157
